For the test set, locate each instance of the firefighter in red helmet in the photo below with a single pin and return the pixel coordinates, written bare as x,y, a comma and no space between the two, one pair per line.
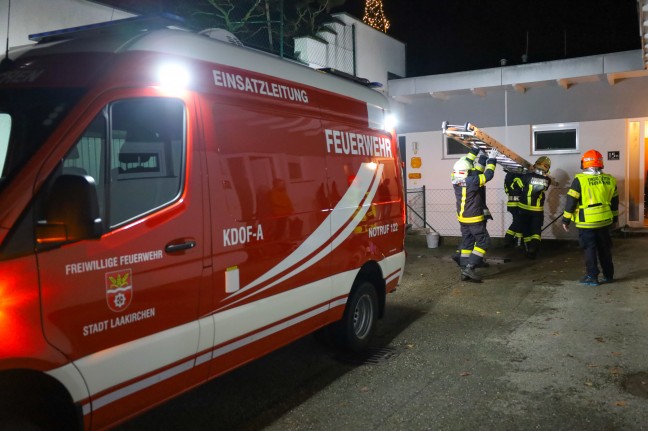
593,205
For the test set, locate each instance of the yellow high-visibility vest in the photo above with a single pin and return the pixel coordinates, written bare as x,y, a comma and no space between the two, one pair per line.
594,202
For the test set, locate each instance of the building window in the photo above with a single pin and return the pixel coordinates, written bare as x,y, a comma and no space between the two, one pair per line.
453,149
555,138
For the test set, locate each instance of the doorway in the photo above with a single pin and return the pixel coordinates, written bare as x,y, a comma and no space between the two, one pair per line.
636,177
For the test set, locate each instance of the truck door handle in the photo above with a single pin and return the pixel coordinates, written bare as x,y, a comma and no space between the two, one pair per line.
174,248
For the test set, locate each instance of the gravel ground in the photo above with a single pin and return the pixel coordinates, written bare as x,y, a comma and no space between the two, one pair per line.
528,349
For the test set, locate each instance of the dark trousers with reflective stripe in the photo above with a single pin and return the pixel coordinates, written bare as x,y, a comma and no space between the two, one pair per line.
597,248
474,237
514,231
531,227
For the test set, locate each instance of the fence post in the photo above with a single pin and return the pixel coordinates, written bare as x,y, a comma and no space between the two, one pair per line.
424,209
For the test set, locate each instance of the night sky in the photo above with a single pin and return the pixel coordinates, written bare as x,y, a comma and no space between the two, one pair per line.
444,36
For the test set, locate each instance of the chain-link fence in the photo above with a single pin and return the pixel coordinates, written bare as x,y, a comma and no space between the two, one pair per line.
334,48
436,208
264,36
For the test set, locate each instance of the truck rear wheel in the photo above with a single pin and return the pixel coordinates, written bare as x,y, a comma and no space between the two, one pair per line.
358,323
32,401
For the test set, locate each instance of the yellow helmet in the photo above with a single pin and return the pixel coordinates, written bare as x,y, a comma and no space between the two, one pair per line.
543,163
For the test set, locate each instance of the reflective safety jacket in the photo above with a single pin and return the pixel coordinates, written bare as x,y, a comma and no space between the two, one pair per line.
469,194
592,201
513,187
534,186
480,165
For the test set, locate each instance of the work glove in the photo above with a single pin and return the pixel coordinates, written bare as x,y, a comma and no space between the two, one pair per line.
493,153
487,214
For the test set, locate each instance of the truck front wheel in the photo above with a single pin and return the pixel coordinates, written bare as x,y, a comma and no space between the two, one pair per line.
358,323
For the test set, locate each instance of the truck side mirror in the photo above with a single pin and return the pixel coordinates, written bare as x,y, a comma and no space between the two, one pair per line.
71,211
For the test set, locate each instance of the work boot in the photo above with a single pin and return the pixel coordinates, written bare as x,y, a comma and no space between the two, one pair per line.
469,271
606,280
589,280
456,258
521,247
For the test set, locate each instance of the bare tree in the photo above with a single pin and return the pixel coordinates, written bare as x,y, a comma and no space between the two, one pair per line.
232,15
310,16
247,18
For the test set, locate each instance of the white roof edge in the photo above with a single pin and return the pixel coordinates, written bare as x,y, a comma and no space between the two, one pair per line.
573,68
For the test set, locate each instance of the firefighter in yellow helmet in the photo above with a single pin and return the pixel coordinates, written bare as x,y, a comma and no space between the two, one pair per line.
513,188
593,204
531,206
468,184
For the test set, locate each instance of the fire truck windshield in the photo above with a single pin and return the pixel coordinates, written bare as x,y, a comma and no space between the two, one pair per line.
28,116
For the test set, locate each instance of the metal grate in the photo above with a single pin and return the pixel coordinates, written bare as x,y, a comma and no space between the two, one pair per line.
374,356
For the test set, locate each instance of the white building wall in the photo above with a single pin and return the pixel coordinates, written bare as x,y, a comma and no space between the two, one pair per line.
599,93
602,135
38,16
376,52
340,47
311,51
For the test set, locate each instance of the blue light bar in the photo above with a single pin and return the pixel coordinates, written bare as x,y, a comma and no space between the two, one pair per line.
133,24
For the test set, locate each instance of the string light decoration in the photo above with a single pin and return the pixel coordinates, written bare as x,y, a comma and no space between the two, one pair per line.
375,16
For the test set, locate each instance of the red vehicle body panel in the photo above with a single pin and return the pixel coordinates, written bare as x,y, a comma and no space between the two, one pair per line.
286,195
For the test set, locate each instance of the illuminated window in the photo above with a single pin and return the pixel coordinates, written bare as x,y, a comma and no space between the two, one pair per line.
555,138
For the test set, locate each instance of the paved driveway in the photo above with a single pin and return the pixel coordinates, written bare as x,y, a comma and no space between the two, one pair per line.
529,348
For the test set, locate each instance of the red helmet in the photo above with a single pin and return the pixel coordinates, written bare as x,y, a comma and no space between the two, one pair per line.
592,159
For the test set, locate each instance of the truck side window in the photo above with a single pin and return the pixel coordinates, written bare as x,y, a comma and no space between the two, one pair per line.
146,156
85,158
137,164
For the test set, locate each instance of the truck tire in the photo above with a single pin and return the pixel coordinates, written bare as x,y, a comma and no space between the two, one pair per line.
358,323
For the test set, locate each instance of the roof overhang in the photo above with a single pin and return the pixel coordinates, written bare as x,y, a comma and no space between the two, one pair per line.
610,68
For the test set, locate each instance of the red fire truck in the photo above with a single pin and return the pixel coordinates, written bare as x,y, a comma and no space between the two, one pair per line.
174,206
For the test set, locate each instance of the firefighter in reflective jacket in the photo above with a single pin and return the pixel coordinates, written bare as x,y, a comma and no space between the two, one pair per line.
593,204
513,187
534,185
468,183
470,162
480,166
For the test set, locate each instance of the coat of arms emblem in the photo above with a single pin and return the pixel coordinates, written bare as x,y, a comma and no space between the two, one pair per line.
119,289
